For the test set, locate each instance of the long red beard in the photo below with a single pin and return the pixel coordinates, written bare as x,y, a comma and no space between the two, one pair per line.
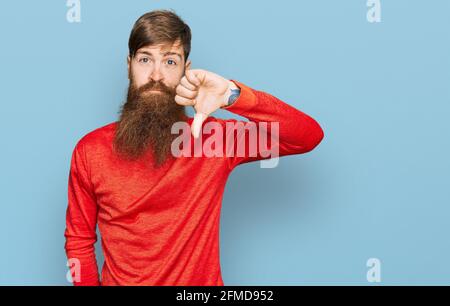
145,122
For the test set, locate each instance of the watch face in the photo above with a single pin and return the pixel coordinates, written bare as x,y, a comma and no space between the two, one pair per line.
234,95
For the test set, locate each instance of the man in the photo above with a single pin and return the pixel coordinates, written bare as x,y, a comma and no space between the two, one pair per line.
158,212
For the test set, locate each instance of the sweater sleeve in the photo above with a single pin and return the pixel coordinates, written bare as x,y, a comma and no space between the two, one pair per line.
285,128
81,222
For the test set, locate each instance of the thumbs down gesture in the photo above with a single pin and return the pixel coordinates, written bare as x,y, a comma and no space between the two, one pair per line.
205,91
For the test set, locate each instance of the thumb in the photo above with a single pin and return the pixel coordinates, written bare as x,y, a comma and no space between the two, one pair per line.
196,127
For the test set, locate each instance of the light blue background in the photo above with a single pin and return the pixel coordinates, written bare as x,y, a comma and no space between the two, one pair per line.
377,186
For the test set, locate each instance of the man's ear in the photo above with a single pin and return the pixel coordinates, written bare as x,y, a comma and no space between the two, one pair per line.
188,65
128,64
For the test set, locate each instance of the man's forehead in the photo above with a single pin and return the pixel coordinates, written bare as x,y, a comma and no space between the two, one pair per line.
163,48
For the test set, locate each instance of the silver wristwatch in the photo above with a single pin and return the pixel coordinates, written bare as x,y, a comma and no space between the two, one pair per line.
234,95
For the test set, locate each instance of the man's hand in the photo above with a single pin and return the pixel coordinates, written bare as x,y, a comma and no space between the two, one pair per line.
205,91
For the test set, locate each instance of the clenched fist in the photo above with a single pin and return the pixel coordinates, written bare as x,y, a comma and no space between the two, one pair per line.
205,91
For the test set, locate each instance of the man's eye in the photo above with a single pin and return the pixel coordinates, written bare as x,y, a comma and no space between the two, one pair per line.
144,60
174,63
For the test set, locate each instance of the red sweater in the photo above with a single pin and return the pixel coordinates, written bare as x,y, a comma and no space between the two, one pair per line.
161,227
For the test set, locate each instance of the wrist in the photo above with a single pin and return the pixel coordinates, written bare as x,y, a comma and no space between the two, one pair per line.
232,94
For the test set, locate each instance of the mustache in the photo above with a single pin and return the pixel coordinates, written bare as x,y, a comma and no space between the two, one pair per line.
155,85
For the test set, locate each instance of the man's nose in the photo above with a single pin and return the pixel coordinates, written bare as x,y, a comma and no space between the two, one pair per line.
156,75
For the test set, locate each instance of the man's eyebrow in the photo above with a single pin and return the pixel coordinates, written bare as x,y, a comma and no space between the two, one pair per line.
165,54
173,53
